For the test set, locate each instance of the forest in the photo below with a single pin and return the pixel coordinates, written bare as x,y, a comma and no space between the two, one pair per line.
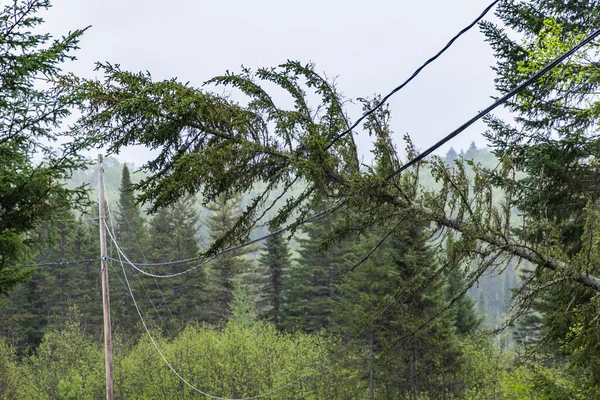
260,254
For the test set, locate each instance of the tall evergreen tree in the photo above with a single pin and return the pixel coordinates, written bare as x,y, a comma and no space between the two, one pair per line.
32,192
311,282
131,229
132,236
173,236
550,145
275,261
400,285
466,318
451,156
228,268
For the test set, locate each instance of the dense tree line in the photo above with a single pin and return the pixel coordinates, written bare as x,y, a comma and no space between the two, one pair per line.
312,292
373,294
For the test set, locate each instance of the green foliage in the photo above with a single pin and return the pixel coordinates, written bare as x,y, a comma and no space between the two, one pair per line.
131,230
30,114
311,291
43,302
274,260
466,319
67,365
551,147
243,311
173,236
490,373
226,270
235,361
10,379
238,361
230,149
387,299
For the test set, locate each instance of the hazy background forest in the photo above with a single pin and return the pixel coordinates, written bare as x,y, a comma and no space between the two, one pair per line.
282,294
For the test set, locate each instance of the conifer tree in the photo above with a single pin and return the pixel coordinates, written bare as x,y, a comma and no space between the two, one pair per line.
451,156
130,226
33,192
466,319
550,143
275,261
228,268
173,236
401,282
311,282
132,236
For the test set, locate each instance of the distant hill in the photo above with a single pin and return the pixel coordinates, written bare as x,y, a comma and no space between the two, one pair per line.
492,292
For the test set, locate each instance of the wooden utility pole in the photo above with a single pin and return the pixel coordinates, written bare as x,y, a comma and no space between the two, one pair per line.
105,293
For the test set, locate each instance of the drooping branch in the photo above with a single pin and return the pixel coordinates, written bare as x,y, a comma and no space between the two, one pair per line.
511,247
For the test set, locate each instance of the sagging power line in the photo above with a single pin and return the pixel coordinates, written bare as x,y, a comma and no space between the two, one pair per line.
410,163
383,307
413,76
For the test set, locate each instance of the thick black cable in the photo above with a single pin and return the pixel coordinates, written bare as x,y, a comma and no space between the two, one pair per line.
413,76
497,103
410,163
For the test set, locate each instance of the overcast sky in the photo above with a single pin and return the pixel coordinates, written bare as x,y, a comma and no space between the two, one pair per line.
370,47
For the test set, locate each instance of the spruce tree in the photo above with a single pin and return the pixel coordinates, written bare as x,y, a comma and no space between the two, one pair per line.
311,282
227,269
550,143
400,285
275,261
451,156
466,318
131,230
33,190
132,237
173,236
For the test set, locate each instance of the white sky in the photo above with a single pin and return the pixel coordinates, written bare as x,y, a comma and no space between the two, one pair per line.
370,47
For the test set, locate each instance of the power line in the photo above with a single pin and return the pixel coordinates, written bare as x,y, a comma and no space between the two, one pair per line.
145,259
382,311
60,263
410,163
497,103
413,76
205,259
139,280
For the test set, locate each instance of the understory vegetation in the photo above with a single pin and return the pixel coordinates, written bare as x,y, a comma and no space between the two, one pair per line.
242,360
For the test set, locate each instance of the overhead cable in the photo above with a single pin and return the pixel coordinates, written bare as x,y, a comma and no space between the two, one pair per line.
164,300
137,277
60,263
410,163
381,312
205,259
413,76
498,102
